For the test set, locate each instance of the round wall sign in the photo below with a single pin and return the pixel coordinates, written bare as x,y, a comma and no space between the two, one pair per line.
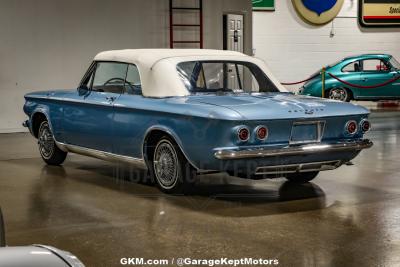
318,11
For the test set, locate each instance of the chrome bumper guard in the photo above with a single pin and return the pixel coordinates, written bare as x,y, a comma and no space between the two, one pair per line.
295,168
231,154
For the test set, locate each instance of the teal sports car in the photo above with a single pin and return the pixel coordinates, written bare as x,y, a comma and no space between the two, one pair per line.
365,77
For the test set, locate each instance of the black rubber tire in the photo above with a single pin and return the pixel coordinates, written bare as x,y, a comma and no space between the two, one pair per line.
301,177
56,157
186,174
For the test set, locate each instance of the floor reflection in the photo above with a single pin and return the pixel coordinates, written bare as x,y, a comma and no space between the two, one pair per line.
223,195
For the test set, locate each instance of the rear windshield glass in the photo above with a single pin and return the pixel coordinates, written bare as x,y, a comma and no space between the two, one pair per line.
225,76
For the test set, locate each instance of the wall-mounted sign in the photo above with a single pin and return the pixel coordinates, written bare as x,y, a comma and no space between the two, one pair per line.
379,13
263,5
318,11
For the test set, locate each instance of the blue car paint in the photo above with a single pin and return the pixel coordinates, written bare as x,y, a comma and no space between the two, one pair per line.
199,123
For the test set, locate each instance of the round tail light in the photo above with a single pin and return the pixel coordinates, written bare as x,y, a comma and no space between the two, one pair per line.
365,126
244,134
262,132
351,127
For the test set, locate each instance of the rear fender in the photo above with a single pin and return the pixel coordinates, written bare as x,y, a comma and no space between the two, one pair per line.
171,133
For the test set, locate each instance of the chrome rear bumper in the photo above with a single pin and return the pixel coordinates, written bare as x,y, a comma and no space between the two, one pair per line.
231,154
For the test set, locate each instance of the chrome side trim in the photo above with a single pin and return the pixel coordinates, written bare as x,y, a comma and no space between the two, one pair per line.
227,154
136,162
303,167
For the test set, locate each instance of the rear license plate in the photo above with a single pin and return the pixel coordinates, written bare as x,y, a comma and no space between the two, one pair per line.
306,132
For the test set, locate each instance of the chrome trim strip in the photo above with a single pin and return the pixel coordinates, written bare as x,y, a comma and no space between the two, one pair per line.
302,167
227,154
139,163
59,99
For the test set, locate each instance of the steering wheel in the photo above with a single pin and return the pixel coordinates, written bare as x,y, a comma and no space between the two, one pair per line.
122,80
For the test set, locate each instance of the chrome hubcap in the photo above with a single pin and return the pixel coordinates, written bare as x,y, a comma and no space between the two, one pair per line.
166,164
46,141
338,94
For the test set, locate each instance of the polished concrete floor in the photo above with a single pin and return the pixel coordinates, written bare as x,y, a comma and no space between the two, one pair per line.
95,209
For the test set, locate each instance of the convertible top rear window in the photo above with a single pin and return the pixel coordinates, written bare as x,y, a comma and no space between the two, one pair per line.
224,76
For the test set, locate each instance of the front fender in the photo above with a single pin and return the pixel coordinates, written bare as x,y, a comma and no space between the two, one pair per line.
43,110
315,89
53,116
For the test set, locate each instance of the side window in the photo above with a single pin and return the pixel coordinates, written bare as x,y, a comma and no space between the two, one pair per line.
374,65
110,77
133,85
352,67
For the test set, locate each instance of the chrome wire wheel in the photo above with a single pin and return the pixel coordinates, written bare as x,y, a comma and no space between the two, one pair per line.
166,165
46,141
338,94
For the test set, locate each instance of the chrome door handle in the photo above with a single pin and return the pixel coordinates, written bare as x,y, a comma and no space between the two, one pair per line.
110,98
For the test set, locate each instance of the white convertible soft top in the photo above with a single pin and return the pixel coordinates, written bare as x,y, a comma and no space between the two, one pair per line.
158,72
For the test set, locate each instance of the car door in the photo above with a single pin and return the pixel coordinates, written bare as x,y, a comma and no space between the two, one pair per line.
351,74
375,72
88,121
131,116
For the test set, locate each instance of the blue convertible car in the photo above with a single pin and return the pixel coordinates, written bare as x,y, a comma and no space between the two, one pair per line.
178,113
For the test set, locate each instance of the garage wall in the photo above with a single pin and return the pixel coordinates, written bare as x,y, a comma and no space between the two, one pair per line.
294,49
48,44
